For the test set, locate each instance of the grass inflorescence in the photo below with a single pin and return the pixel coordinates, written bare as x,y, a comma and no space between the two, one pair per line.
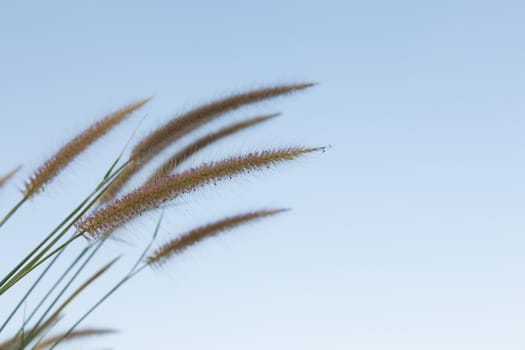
201,143
54,165
108,208
152,195
196,235
181,125
9,175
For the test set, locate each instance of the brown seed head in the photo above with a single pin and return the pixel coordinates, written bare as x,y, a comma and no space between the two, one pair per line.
152,195
177,127
174,161
53,166
9,175
178,245
182,125
73,335
15,342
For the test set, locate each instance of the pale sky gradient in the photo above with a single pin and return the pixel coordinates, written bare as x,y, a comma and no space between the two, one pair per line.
407,234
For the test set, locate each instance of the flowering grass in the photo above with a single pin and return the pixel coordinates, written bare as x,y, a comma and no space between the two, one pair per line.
108,208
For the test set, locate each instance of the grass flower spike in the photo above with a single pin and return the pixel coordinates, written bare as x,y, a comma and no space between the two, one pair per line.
53,166
174,161
60,261
8,176
182,125
152,195
196,235
78,334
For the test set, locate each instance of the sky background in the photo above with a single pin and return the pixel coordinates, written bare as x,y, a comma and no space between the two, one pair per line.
407,234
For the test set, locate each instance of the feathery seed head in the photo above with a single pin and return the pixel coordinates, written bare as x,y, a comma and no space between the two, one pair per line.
152,195
182,125
9,175
53,166
178,245
73,335
17,341
169,165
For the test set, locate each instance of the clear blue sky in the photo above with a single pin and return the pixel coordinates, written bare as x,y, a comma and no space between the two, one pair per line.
407,234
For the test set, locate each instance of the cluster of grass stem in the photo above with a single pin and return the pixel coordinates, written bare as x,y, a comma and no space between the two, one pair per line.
103,211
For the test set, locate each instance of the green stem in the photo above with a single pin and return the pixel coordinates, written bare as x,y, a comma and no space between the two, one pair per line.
55,285
11,315
35,250
31,336
13,210
19,274
49,292
35,262
98,303
132,273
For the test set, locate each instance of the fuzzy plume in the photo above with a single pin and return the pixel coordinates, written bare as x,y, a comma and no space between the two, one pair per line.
78,334
53,166
152,195
17,341
180,126
9,175
179,244
174,161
